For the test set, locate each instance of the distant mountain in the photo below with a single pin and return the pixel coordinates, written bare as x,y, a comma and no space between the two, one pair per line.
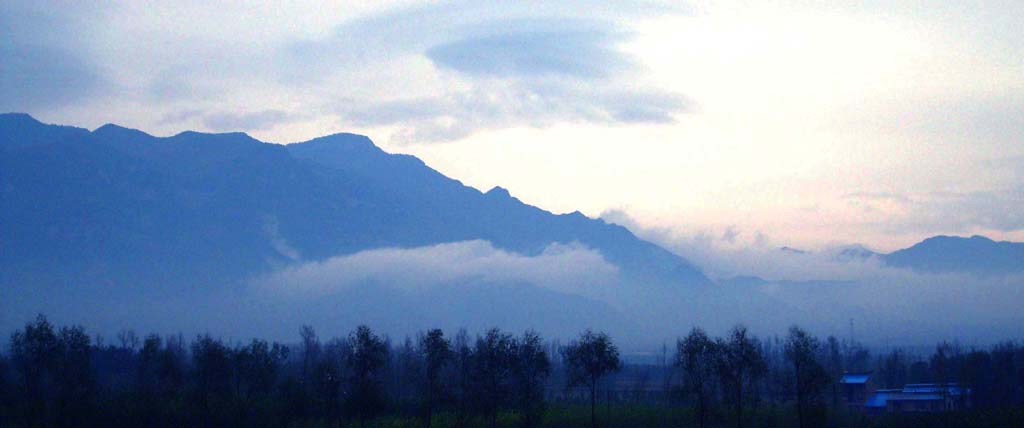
747,281
855,252
744,281
118,205
451,211
976,255
945,254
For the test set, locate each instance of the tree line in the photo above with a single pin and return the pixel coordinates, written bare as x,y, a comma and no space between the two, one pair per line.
62,377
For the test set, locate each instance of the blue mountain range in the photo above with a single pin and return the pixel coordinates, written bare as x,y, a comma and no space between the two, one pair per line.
122,206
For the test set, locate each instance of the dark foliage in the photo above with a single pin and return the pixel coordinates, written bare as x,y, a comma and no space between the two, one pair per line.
696,356
588,360
60,377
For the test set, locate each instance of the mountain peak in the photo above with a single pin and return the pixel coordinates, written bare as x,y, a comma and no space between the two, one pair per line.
222,140
342,143
346,137
853,252
20,130
15,117
111,130
112,127
499,192
977,254
217,135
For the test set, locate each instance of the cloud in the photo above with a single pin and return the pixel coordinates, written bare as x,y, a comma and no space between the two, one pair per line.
494,105
468,284
730,234
380,39
945,212
577,53
965,211
890,306
277,242
562,268
732,251
427,72
262,119
230,121
43,65
466,68
897,307
541,73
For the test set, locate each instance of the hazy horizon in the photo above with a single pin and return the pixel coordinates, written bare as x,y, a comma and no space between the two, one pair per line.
567,285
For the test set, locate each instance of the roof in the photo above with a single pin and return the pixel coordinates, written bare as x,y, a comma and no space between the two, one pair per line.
910,392
855,378
931,388
915,397
877,400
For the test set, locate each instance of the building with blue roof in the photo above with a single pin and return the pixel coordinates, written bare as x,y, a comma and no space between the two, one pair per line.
859,393
918,397
856,387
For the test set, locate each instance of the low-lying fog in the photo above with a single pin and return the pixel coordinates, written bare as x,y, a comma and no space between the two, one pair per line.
558,292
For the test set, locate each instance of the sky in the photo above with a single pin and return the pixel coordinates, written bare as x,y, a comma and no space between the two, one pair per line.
736,124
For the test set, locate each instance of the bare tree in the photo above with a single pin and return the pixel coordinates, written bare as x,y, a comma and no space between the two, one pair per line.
493,359
367,358
310,350
462,373
809,375
436,352
739,365
588,360
128,339
834,365
696,356
34,353
531,369
211,362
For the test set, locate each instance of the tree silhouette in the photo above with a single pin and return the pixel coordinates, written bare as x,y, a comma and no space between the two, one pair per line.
435,352
6,398
310,348
74,368
809,375
739,365
54,376
462,374
368,354
588,360
147,373
493,359
212,370
34,353
696,355
834,366
256,368
530,371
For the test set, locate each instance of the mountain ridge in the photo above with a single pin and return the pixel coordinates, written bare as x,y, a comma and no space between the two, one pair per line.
976,254
191,174
226,195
